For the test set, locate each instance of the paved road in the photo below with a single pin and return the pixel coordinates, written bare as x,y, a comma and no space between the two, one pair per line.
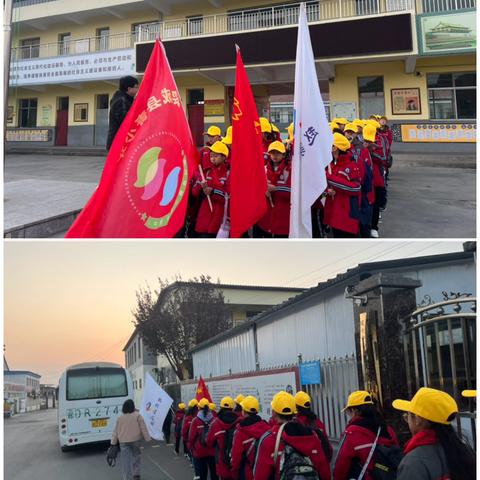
429,195
32,452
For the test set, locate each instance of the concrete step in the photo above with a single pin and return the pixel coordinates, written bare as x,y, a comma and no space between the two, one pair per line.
52,150
52,227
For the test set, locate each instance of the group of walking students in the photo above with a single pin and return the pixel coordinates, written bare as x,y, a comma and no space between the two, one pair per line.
350,206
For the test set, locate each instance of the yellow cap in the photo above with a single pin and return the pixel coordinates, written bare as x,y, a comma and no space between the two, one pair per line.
341,120
284,404
351,126
203,403
334,125
227,139
250,404
341,142
369,132
430,404
360,397
265,124
374,123
227,402
275,128
214,131
193,403
212,406
278,146
181,406
220,147
359,123
239,398
289,129
469,393
302,399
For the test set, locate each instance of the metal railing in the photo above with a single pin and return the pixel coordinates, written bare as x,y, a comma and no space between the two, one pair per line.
432,6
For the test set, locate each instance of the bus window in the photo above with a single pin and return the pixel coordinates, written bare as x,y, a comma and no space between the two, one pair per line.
88,383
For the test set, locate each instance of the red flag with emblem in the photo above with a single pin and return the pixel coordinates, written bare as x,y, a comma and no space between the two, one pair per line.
202,391
143,192
248,182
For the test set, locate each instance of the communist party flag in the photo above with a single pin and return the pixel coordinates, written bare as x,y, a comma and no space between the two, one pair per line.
144,187
248,182
202,391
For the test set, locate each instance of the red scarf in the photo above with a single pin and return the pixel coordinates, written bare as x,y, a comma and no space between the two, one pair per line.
426,437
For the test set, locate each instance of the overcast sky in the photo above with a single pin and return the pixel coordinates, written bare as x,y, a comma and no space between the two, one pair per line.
68,302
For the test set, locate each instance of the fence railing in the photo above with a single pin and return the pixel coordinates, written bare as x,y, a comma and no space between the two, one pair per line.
432,6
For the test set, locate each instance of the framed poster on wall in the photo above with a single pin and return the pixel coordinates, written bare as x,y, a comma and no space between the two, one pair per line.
80,112
406,101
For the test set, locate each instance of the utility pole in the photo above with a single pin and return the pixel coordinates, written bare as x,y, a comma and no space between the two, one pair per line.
7,46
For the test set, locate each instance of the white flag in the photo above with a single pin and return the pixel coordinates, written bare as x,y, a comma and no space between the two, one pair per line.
155,405
313,137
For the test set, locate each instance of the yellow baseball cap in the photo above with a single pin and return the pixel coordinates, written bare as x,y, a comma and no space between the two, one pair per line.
290,131
212,406
333,125
369,132
278,146
374,123
219,147
341,120
469,393
203,403
352,127
431,404
227,139
250,404
359,123
275,128
302,399
239,398
213,131
360,397
181,406
284,404
193,403
265,125
341,142
227,402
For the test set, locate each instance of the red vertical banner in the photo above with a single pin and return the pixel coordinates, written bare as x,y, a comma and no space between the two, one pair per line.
143,192
202,391
248,182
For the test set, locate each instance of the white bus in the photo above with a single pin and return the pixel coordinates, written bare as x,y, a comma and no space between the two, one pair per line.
90,398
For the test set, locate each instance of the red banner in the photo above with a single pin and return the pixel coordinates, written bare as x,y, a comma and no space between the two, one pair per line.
248,182
143,192
202,391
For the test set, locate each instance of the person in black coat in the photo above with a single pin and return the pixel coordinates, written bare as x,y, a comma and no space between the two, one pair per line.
120,105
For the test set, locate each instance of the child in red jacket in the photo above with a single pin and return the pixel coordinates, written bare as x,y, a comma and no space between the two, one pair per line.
292,438
203,455
276,222
214,134
215,187
187,421
249,430
177,422
342,205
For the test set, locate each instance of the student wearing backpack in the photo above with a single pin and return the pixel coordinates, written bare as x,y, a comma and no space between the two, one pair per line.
177,422
435,451
213,409
245,441
289,450
220,436
365,428
203,455
307,417
187,421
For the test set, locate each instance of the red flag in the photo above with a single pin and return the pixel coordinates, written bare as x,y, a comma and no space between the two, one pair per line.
248,182
143,191
202,391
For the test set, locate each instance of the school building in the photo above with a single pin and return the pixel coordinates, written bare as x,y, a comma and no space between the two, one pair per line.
413,60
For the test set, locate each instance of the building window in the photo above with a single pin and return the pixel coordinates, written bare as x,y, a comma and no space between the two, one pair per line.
145,31
371,95
195,25
451,96
102,39
64,42
140,383
30,47
27,112
139,348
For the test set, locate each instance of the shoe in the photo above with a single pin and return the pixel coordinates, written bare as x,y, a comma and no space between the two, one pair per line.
374,233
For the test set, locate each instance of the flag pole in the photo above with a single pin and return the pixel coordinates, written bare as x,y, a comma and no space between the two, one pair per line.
204,181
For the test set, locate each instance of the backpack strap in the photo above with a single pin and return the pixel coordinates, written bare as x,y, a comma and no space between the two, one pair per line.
370,455
277,444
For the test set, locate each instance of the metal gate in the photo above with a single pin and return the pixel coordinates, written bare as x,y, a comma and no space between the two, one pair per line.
440,351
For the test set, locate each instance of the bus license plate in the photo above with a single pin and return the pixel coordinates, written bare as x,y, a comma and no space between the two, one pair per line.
99,423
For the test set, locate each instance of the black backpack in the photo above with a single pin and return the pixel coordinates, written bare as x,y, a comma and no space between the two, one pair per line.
227,448
295,466
204,432
326,447
385,462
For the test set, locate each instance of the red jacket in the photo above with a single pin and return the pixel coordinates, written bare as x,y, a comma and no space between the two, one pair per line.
198,449
301,439
248,432
187,421
356,443
226,420
379,158
314,423
177,421
217,179
205,161
388,134
277,218
342,211
365,165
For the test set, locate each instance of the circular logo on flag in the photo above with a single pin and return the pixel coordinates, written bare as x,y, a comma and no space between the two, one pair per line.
156,178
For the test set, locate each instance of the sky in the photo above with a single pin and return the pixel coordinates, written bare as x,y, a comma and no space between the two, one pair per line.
71,302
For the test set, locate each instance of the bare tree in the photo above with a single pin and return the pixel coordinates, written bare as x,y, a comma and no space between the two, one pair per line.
178,316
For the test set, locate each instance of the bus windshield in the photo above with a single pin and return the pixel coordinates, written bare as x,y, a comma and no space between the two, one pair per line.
88,383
